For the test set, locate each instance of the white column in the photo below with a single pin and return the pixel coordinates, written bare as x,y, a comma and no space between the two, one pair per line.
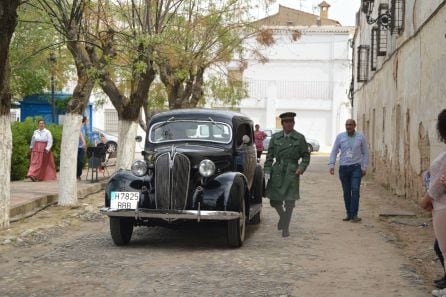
271,104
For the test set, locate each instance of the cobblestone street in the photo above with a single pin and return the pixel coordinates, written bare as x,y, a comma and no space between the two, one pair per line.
69,252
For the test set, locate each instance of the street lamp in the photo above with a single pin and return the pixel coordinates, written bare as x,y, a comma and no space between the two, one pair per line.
384,17
52,60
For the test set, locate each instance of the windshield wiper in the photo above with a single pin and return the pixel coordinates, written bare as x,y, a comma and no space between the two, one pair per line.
171,119
215,124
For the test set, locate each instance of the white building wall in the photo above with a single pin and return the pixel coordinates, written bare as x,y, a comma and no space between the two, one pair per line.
309,76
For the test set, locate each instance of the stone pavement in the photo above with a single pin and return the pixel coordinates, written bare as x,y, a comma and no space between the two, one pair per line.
28,197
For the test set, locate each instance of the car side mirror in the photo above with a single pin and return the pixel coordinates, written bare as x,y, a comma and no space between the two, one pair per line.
138,138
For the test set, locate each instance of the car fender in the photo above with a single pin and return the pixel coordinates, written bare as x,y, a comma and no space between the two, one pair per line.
216,193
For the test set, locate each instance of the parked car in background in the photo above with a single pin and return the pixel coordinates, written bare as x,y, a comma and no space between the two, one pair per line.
112,140
313,144
199,165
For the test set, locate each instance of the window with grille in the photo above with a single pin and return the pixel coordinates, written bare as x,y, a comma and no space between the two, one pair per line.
397,12
111,120
382,32
363,63
374,47
365,6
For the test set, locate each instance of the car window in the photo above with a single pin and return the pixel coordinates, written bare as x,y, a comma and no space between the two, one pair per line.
185,130
244,130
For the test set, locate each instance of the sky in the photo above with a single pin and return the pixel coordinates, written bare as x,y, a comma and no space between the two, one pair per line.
343,11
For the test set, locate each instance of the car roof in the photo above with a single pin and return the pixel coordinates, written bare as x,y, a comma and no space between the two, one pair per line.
108,135
201,114
273,129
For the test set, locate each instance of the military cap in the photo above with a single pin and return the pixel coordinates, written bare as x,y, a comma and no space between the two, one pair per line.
287,116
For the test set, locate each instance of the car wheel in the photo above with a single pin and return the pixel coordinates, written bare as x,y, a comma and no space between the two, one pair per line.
236,228
310,148
121,230
112,147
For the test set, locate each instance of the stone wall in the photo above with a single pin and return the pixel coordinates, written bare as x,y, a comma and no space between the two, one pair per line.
398,106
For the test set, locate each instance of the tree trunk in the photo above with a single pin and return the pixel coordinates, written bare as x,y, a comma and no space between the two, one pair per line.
5,169
8,22
197,89
70,134
68,160
182,94
126,147
129,110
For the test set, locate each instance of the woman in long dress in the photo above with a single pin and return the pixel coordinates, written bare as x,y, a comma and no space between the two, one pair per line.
42,166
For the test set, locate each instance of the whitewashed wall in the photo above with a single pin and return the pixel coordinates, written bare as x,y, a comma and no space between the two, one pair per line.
397,108
309,76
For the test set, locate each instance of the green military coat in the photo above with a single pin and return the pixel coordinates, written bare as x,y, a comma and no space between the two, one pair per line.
282,161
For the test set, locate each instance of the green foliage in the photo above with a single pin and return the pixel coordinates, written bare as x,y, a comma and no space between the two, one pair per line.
203,35
21,138
56,131
157,96
31,68
226,92
61,105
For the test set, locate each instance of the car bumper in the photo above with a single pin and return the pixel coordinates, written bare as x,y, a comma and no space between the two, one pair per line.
197,215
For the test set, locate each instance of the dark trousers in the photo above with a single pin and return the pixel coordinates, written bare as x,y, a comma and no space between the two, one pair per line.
350,176
80,161
439,253
284,214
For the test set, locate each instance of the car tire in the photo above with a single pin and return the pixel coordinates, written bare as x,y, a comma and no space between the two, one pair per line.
121,230
310,148
257,186
236,228
257,193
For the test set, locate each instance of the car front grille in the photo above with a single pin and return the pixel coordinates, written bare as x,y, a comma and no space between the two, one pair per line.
171,181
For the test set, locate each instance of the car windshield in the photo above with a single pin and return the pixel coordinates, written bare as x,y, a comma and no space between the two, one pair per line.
188,130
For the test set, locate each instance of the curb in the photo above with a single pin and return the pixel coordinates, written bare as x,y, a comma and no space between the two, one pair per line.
31,207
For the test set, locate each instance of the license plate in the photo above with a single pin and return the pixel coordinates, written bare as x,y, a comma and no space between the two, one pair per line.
124,200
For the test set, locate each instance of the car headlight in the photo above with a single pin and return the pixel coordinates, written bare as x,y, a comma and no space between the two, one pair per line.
206,168
139,168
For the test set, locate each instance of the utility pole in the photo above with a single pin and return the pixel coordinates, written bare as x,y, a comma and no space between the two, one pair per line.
52,60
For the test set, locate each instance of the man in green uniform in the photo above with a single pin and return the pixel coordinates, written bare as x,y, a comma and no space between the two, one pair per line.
282,169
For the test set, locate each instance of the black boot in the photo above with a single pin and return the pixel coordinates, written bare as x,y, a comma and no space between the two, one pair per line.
441,284
286,221
281,213
440,280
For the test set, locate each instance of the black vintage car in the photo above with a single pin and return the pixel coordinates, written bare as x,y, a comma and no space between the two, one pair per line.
199,164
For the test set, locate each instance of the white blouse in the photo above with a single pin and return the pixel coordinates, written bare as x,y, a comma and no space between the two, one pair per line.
44,136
